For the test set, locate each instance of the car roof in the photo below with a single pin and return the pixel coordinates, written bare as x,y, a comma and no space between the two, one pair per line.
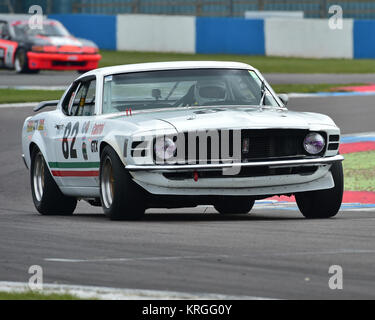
175,65
20,17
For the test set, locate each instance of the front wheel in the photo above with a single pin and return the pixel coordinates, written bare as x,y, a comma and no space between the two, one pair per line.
323,204
121,198
47,197
21,62
234,205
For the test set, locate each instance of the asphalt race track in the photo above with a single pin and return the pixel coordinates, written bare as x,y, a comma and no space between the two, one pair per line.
272,253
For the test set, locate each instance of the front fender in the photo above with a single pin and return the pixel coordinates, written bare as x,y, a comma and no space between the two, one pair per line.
117,141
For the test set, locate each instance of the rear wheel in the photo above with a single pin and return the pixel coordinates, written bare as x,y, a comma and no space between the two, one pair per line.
47,197
121,198
323,203
234,205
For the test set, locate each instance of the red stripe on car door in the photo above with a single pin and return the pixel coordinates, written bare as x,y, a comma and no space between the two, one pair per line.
57,173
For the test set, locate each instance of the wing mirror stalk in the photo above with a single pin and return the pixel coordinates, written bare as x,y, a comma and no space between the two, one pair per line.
43,104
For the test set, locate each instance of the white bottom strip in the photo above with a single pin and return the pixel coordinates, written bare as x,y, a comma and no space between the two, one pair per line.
105,293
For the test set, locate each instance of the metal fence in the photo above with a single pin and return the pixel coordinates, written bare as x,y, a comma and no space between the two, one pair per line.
232,8
359,9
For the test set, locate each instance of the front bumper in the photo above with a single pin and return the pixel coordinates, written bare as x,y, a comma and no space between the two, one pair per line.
271,164
152,178
62,61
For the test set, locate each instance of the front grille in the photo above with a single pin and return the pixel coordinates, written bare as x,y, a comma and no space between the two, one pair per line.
274,144
261,145
264,144
58,63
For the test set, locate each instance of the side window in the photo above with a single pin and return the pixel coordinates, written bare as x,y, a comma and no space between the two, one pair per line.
80,100
4,31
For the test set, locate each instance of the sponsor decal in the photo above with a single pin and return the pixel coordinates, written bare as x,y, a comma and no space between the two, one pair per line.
41,125
34,125
97,129
85,127
84,151
30,126
94,146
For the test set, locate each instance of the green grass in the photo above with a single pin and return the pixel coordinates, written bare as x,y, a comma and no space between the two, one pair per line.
309,88
359,171
30,295
15,96
264,64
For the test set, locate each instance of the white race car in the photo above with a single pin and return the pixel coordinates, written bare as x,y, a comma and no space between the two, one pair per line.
179,134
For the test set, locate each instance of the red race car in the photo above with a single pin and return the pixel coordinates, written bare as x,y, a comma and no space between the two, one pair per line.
29,50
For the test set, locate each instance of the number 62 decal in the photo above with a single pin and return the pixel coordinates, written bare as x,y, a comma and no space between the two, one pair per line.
65,141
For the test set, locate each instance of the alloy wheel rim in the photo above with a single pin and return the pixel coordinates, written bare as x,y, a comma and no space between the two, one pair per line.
107,183
18,63
38,177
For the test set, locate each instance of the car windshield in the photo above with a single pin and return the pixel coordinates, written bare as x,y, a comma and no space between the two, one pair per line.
50,28
184,88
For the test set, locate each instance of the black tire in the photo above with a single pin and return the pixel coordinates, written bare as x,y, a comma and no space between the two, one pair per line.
323,204
234,205
121,198
21,62
47,197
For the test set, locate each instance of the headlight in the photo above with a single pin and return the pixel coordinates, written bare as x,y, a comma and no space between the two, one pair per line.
165,148
314,143
37,48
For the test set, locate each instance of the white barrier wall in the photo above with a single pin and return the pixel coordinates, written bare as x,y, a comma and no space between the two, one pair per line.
138,32
310,38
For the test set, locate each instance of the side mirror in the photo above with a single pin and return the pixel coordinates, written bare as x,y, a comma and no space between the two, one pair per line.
43,104
284,98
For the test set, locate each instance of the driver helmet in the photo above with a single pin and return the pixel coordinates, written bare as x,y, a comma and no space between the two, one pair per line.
207,91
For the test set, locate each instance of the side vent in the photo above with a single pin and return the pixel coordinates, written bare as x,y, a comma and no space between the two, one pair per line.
139,149
334,142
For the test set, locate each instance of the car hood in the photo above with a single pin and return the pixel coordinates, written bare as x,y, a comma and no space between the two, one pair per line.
196,119
68,41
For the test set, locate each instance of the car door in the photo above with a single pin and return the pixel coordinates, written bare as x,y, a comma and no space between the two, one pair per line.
77,158
7,46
